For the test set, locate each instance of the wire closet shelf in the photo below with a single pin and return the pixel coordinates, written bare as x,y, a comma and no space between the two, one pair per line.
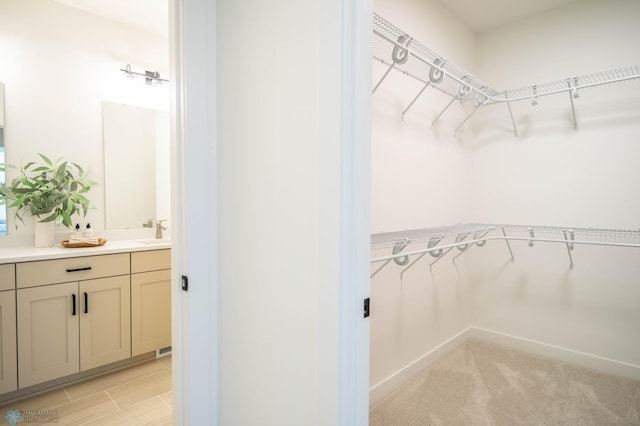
399,51
442,240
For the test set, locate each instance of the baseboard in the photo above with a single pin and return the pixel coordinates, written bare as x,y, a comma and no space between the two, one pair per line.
604,365
593,362
389,384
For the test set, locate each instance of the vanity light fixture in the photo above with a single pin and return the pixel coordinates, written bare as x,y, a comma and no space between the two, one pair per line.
150,77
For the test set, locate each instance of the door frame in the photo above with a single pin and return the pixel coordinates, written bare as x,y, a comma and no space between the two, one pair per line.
194,147
192,31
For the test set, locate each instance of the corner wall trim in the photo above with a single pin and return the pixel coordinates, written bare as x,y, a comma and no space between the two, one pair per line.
581,359
570,356
397,379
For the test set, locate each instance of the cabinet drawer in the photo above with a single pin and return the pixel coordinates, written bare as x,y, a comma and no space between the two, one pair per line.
31,274
152,260
7,277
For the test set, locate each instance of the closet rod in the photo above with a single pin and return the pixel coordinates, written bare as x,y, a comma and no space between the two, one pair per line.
431,236
503,238
567,89
405,46
431,64
492,96
421,80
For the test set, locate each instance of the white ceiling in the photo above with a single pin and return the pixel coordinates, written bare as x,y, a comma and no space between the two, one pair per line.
149,15
479,15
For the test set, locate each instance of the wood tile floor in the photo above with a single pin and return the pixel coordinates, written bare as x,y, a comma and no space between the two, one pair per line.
139,395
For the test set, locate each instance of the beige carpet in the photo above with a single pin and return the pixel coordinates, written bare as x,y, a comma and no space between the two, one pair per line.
483,384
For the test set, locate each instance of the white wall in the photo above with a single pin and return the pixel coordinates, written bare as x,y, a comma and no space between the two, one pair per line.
58,65
285,152
408,154
550,174
554,175
558,175
419,179
262,166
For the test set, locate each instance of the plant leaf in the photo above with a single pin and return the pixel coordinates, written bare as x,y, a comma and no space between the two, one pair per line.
45,159
66,218
51,189
80,169
50,218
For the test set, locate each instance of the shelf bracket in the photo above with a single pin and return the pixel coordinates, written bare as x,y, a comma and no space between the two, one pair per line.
443,255
476,236
506,240
513,122
432,243
465,120
435,253
573,108
380,268
399,56
569,245
416,98
436,75
461,238
392,66
463,91
442,112
412,263
480,236
458,240
462,250
532,237
397,248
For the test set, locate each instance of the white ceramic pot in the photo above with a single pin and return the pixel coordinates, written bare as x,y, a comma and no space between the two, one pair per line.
45,233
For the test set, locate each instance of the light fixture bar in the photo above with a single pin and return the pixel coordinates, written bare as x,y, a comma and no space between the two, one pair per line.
149,76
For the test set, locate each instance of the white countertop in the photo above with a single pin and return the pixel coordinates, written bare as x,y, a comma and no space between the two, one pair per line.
27,254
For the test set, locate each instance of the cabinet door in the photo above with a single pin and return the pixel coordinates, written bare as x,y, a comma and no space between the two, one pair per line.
7,277
48,333
8,362
105,326
150,311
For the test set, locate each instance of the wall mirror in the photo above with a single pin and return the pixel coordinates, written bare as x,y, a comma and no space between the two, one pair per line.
3,208
136,165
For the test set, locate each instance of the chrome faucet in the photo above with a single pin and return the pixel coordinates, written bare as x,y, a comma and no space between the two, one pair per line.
159,229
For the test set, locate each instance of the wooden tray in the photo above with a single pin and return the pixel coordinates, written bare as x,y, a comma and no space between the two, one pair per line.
67,244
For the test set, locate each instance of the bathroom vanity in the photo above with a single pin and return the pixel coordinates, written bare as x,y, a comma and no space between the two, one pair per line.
66,314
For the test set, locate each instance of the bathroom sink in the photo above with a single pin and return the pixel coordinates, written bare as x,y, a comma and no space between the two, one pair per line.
152,241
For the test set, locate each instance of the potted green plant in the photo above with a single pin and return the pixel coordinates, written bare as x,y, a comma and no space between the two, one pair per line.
51,192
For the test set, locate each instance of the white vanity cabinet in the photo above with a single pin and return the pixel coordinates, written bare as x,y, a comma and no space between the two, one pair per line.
73,315
8,360
150,301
